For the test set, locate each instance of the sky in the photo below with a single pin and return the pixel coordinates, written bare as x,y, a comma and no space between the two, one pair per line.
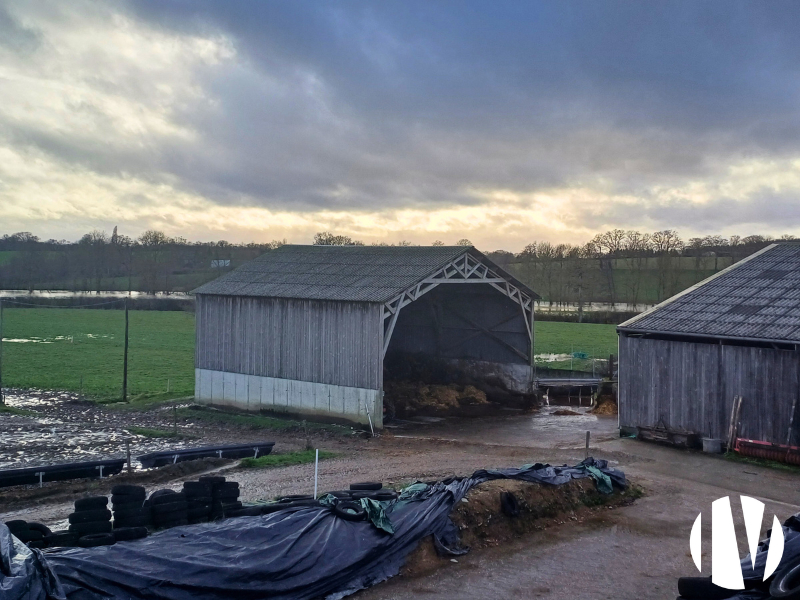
500,122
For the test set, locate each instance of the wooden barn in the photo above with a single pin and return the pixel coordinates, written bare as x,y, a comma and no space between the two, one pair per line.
304,330
736,334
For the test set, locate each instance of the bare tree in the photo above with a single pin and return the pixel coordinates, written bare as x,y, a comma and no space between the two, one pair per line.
326,238
463,242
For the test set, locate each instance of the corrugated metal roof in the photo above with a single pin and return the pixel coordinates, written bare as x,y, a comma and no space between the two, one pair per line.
756,298
349,273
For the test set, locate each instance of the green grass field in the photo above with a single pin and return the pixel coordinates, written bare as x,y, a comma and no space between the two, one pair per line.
557,337
74,349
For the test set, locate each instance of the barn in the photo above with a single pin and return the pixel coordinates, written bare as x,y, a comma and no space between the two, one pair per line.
734,336
304,330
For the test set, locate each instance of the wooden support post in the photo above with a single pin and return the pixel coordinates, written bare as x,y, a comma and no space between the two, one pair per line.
125,358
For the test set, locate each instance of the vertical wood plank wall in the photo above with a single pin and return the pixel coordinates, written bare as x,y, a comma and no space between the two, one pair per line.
691,386
335,343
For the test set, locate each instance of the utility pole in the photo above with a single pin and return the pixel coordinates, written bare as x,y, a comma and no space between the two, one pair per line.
125,358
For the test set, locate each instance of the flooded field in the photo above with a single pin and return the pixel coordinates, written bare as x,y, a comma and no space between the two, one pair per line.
58,427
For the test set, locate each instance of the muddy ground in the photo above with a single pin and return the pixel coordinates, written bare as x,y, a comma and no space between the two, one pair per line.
635,551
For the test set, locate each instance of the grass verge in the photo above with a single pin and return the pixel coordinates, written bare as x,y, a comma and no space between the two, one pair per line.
257,421
761,462
285,460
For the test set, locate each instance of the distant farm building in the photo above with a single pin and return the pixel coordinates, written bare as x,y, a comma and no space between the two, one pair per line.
736,334
304,330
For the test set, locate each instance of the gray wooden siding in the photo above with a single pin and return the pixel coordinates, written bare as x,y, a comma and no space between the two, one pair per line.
691,386
337,343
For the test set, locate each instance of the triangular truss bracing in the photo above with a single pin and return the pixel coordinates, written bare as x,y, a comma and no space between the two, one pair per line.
464,269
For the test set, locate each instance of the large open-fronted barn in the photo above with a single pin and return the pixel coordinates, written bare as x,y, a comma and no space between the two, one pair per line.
736,334
305,329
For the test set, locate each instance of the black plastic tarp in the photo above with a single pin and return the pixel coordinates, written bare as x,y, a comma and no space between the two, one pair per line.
297,553
24,574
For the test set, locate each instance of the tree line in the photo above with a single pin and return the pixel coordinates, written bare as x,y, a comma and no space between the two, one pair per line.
615,266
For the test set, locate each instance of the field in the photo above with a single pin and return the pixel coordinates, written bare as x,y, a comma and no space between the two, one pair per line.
75,349
81,350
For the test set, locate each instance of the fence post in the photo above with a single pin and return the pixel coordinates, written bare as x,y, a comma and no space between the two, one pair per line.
2,398
125,358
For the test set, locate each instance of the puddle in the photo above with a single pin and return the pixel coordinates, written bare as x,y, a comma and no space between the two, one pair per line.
65,428
58,338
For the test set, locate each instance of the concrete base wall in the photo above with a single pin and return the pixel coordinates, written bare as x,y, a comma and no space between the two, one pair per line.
255,393
517,378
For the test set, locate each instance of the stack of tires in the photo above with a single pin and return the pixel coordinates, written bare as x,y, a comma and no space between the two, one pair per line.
199,500
34,535
169,509
224,496
131,517
91,522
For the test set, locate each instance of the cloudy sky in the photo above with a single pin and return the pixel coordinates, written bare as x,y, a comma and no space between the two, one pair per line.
502,122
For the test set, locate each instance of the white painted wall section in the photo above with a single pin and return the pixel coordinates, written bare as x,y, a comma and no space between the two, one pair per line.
255,393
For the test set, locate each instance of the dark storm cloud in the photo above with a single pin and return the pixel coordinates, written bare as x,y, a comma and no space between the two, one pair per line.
370,105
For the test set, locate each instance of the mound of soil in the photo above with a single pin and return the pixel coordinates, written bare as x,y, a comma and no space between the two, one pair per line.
566,413
483,523
606,405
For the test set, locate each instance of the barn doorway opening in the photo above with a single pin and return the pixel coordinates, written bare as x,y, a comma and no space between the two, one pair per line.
460,350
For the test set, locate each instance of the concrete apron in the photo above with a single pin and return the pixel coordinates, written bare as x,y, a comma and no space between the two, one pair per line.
320,400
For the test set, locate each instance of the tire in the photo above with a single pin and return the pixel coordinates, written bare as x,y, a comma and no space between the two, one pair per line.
126,501
17,525
29,536
227,497
91,503
89,516
197,488
509,504
131,522
366,486
160,509
701,588
124,489
39,527
268,509
250,511
349,510
212,479
126,534
173,523
154,497
786,585
167,498
61,539
196,513
131,512
294,498
37,544
96,539
84,529
199,500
